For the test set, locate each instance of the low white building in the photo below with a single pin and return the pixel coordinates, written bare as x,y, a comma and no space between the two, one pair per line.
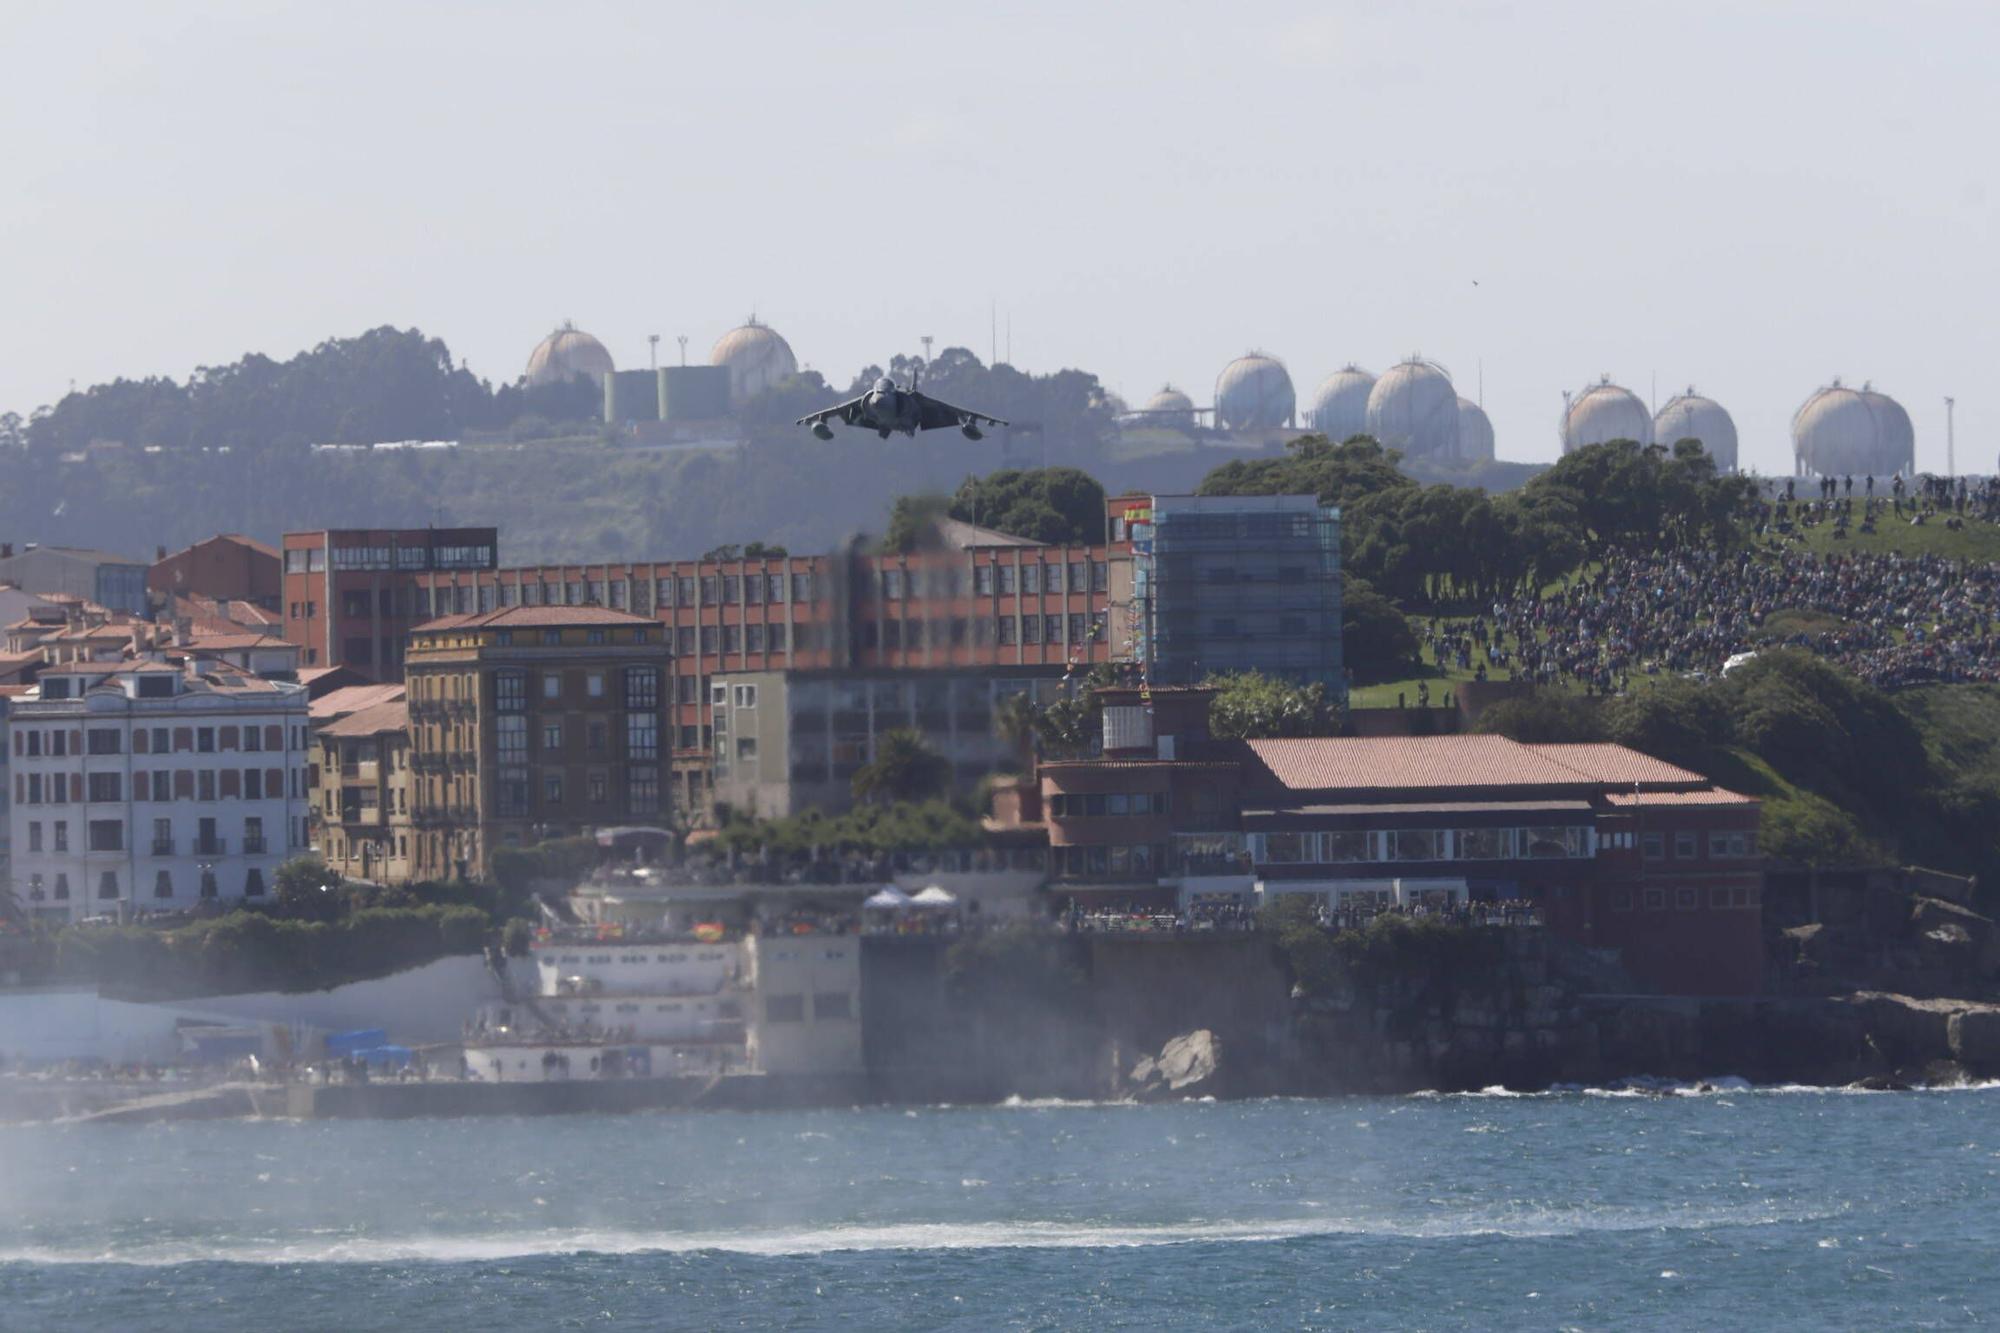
152,783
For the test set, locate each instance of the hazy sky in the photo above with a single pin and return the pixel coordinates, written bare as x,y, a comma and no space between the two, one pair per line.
1749,196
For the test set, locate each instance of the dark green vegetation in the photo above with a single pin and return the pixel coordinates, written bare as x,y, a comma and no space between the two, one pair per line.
1444,547
1058,505
904,826
1249,705
318,932
1847,772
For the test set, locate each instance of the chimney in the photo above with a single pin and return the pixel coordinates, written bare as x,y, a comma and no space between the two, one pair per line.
159,553
6,550
183,631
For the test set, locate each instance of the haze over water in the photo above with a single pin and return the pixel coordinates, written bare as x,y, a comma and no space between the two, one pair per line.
1737,1209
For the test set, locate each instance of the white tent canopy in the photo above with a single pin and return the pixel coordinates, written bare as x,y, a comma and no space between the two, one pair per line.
888,899
935,896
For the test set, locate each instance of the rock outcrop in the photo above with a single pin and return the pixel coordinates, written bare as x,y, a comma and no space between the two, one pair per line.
1189,1065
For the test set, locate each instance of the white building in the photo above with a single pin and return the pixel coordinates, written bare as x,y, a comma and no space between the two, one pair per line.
149,784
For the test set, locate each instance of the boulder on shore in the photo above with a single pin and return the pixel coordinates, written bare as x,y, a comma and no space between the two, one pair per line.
1187,1066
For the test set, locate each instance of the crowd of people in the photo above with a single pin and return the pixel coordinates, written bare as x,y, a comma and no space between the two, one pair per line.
1892,619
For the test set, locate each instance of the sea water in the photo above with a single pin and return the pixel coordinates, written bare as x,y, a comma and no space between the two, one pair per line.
1739,1209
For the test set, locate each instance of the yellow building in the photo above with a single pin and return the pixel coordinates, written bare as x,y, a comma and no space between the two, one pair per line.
530,723
364,794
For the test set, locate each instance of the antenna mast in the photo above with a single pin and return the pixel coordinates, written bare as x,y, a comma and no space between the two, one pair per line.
1950,439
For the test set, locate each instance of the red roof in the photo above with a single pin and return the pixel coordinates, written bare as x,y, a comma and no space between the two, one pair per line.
1619,766
1400,763
350,699
535,617
393,715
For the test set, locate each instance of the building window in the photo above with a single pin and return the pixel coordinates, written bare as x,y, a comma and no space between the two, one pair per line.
746,696
552,787
593,684
642,736
597,785
163,884
107,786
1656,900
1734,844
511,738
1621,900
61,830
102,740
510,691
107,884
1655,846
551,736
253,883
784,1008
511,793
35,835
1685,899
746,747
1415,845
644,790
982,580
1006,630
1686,846
802,587
204,740
832,1005
1008,580
642,687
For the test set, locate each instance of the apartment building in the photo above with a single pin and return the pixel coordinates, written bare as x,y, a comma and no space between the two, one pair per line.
153,783
978,601
350,595
533,722
362,810
228,567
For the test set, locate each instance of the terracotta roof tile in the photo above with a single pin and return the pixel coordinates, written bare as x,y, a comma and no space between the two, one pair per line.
1401,763
1620,766
391,715
350,699
535,617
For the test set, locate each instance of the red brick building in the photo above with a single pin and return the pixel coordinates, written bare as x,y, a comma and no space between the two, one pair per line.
1616,851
229,567
982,601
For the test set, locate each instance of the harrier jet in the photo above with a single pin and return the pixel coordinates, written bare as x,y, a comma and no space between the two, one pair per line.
886,408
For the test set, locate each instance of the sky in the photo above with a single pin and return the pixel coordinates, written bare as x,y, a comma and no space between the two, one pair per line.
1748,197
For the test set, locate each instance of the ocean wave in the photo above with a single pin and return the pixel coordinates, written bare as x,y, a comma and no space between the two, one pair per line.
883,1238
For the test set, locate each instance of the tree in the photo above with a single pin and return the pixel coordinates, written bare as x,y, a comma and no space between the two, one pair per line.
1377,642
903,769
306,889
1249,705
1542,717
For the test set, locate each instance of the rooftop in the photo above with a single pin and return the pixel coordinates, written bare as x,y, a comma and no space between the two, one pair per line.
534,617
392,715
1402,763
1619,766
352,699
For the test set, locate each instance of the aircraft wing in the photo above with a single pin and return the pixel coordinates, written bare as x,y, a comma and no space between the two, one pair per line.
935,413
845,413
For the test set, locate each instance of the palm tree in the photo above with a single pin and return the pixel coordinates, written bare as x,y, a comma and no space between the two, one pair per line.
903,769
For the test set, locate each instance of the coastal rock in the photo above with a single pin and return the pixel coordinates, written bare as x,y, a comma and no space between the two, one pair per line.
1187,1066
1974,1036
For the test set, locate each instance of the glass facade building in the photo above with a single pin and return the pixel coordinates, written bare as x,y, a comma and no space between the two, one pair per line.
1241,583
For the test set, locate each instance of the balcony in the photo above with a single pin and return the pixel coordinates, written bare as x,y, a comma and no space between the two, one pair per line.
427,761
366,815
253,844
163,846
209,846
